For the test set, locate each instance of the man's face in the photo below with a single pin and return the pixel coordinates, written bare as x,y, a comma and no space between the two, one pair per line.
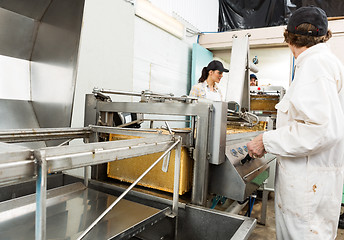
252,82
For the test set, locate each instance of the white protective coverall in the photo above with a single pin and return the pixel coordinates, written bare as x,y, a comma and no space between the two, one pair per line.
309,143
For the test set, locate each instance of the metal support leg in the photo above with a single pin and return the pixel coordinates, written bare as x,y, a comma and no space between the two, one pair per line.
264,206
41,194
86,175
176,186
201,165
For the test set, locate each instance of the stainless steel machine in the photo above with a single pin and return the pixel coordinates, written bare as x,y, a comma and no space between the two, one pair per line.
214,151
87,211
39,200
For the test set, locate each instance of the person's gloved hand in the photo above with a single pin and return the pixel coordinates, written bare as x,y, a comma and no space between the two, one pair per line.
256,147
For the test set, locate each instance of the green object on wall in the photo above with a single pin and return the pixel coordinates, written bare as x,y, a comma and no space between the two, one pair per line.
200,58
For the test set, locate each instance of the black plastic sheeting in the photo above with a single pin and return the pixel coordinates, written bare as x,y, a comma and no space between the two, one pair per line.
246,14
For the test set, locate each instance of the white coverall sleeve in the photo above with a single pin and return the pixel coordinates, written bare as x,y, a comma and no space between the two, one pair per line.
314,117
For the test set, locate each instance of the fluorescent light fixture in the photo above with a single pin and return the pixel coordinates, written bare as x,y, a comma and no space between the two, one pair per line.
144,9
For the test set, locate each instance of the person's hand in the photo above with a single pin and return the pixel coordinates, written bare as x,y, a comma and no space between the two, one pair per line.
256,147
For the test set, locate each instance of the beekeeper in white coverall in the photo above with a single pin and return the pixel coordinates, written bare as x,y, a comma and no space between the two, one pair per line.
309,139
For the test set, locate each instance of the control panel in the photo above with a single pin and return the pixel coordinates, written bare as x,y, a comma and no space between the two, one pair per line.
238,153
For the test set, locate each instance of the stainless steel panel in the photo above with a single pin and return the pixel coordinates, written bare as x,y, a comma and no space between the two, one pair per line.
29,8
194,222
54,60
16,163
203,223
217,139
17,34
17,114
237,88
70,210
236,180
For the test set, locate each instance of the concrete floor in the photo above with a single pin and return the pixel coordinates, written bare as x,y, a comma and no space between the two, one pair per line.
268,231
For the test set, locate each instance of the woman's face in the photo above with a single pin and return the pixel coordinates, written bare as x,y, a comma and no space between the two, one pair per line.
216,75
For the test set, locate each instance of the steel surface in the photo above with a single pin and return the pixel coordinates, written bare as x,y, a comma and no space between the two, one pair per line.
16,43
54,61
29,8
71,209
16,163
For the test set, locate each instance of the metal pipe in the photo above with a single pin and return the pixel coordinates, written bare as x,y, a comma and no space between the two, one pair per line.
235,207
96,128
176,187
102,90
86,175
126,191
129,123
65,142
150,94
168,128
41,196
163,120
44,130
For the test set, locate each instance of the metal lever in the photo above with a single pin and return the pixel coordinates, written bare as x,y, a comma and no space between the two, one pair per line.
246,159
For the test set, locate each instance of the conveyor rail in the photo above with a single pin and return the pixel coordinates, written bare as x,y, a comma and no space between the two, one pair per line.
25,163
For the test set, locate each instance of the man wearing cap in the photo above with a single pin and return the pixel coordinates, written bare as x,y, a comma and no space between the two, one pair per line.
207,84
309,139
253,80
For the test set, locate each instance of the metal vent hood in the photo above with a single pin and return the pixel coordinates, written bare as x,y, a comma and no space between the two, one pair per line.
45,34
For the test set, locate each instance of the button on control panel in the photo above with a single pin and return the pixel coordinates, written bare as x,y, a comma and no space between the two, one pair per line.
240,151
234,152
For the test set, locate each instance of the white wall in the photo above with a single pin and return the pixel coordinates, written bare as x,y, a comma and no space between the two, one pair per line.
121,51
274,66
202,14
162,63
105,54
106,51
15,78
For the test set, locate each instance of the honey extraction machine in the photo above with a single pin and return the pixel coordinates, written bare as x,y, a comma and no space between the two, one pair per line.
179,169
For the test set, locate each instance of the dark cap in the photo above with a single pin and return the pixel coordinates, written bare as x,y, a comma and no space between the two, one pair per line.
216,65
253,76
312,15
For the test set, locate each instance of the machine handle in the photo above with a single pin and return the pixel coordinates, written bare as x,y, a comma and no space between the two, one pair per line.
246,159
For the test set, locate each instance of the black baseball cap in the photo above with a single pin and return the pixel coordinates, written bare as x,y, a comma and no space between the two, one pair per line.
216,65
312,15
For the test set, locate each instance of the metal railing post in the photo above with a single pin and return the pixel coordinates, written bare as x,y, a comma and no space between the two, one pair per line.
41,194
176,186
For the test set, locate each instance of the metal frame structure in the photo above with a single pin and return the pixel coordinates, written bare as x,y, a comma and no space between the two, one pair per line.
207,140
202,111
38,163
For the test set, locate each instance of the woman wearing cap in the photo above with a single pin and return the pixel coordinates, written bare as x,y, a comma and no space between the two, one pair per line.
309,139
207,84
